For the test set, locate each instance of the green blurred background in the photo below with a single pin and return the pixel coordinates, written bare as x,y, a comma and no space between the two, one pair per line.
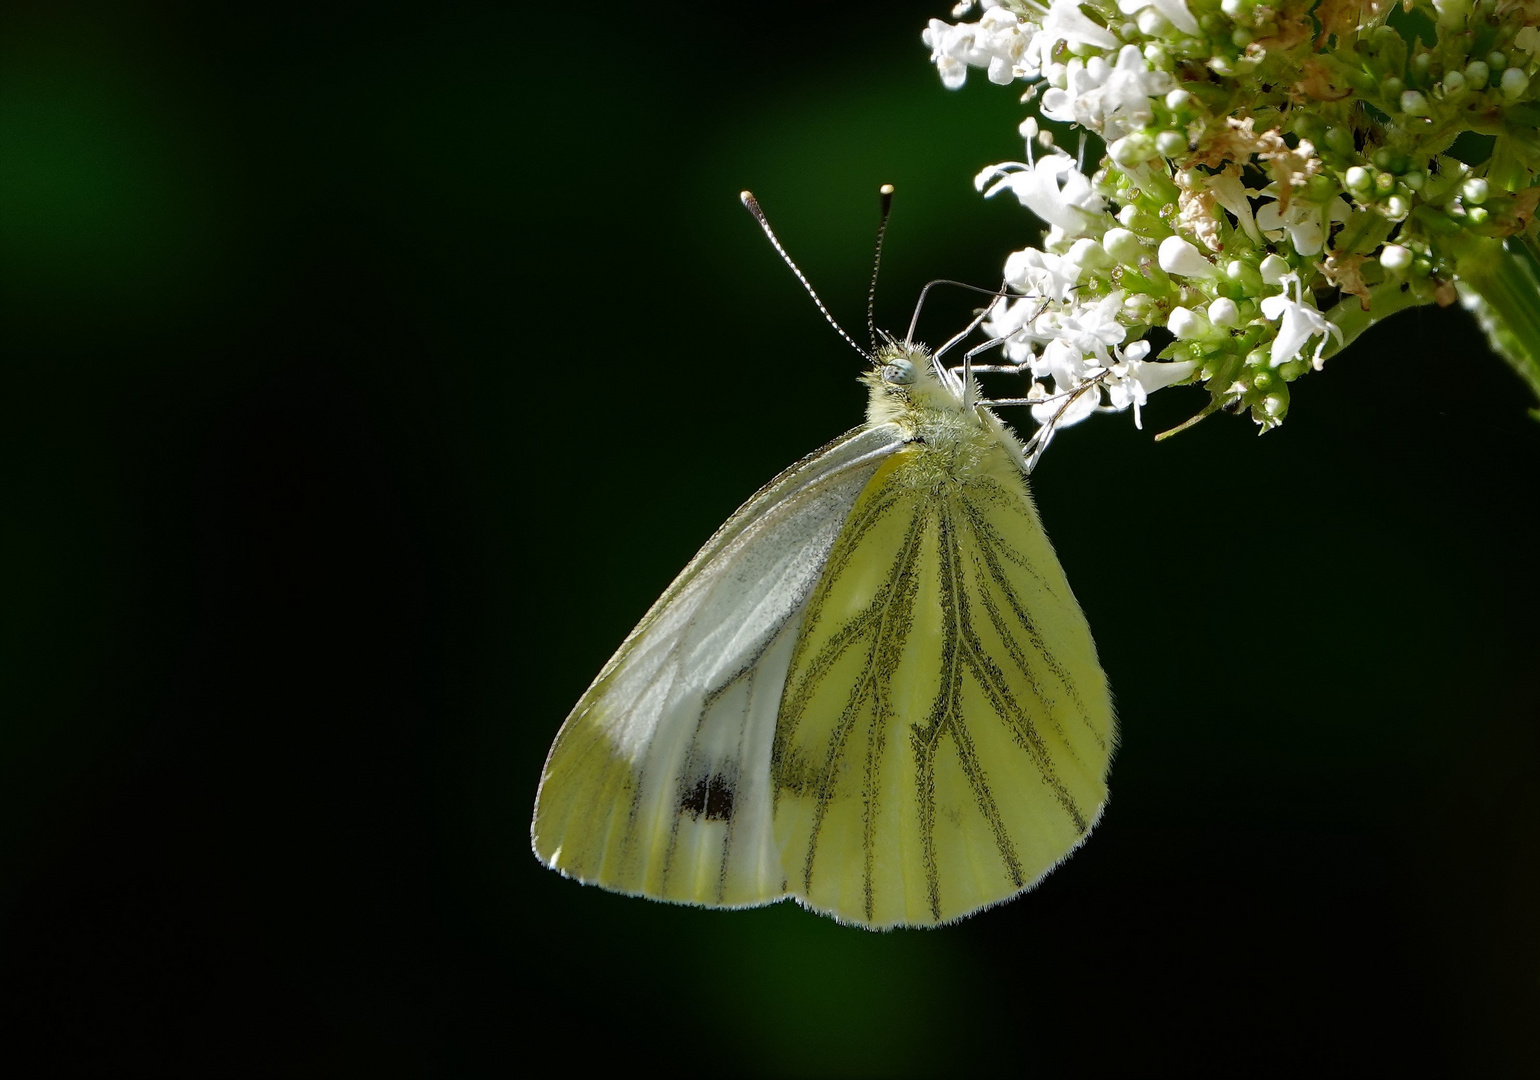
370,369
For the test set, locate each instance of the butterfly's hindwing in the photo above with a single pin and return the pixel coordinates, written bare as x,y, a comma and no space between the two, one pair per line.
946,728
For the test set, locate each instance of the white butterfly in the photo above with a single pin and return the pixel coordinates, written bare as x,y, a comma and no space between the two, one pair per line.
872,690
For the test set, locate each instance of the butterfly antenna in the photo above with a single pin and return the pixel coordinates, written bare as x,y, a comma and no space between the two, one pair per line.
752,205
886,193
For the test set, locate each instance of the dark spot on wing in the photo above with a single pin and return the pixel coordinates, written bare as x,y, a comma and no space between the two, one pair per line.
693,802
719,799
711,796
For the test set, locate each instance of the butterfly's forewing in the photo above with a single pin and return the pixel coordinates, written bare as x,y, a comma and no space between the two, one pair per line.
658,782
946,728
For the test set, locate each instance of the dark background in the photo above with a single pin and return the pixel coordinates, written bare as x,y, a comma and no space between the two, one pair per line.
368,371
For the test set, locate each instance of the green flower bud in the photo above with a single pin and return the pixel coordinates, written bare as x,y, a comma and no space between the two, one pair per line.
1339,140
1389,160
1276,404
1133,150
1358,179
1474,191
1476,74
1171,143
1319,188
1309,126
1515,82
1244,274
1414,104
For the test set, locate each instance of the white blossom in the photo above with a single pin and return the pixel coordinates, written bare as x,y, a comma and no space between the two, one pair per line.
1230,193
1071,402
1303,221
1297,322
1052,187
1042,274
1112,100
1132,380
999,41
1009,319
1174,11
1066,22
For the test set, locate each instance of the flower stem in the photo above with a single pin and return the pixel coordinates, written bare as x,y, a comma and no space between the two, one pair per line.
1500,285
1384,301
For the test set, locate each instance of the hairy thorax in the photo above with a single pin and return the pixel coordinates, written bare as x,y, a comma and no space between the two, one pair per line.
953,442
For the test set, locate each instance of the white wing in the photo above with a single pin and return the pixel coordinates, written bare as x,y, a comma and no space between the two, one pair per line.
659,781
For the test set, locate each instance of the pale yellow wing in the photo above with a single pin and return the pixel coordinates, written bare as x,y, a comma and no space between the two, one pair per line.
658,783
946,729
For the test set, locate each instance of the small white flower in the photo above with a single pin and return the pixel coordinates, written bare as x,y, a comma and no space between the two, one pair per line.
1297,322
1066,22
1234,196
1112,100
1071,402
1051,187
1174,11
1303,221
998,42
1133,380
1010,319
1041,274
1096,325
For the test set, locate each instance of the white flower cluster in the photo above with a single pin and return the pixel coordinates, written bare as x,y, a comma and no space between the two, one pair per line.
1049,330
1071,320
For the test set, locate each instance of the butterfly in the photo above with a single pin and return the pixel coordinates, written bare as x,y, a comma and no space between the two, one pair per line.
872,690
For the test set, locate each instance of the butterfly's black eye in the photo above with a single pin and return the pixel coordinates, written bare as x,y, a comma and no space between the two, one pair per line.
899,372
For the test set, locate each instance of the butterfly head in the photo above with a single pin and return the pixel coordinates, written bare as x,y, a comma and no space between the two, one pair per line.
904,384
